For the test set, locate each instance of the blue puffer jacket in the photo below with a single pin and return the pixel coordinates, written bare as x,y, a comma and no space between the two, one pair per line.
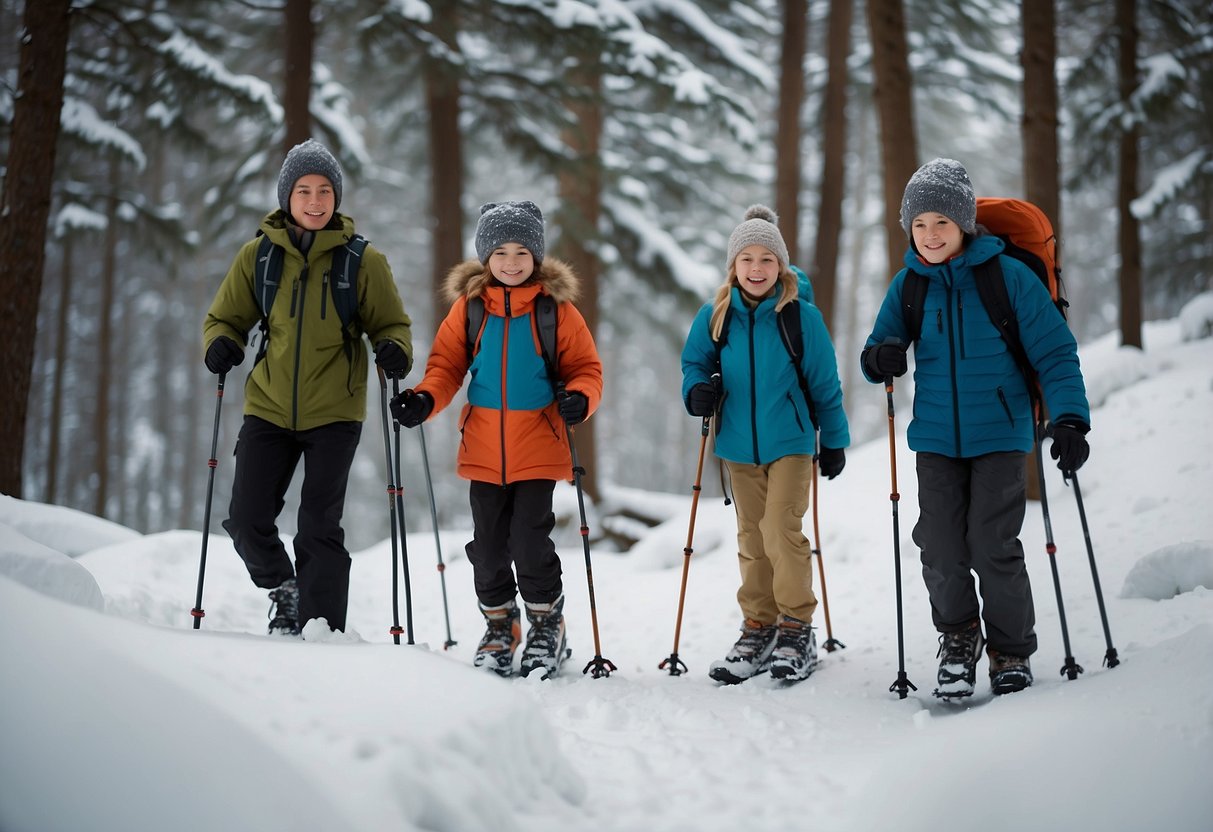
970,398
763,413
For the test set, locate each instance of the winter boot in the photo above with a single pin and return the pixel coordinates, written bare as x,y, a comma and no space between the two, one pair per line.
795,653
545,642
1008,673
284,609
749,655
496,649
958,655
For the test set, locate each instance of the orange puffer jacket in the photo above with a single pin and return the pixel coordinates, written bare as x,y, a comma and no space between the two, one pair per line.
511,427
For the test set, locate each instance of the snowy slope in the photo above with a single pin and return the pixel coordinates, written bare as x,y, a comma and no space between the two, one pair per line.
127,719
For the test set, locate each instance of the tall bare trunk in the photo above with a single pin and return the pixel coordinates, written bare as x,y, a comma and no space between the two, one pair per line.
105,331
57,382
1126,189
894,95
580,188
446,158
833,159
787,135
299,32
25,205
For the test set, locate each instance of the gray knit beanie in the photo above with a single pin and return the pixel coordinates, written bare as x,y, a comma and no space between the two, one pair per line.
509,222
941,186
305,158
760,227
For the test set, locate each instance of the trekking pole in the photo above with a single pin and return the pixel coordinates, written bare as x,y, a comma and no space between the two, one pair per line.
902,686
597,666
831,643
429,485
1110,658
1070,669
391,505
404,543
197,612
675,665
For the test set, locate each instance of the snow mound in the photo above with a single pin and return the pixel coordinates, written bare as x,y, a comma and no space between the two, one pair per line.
1171,571
1196,318
44,570
65,530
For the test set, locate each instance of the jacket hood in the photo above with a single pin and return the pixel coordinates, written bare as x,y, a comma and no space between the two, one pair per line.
338,231
555,276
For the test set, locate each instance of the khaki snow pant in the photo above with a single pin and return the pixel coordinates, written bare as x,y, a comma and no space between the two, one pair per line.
775,557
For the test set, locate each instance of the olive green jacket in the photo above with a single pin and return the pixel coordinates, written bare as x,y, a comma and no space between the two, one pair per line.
309,376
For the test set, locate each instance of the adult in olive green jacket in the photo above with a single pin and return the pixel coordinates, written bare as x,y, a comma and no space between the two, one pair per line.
306,395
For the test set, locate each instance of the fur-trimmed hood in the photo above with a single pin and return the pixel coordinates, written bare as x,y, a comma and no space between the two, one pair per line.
556,277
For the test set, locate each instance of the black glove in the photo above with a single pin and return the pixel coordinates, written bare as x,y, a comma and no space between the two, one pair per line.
702,399
831,461
394,361
1070,447
411,408
883,360
573,406
223,354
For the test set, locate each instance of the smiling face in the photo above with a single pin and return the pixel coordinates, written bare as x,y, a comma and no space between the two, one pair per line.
313,201
757,270
936,237
512,264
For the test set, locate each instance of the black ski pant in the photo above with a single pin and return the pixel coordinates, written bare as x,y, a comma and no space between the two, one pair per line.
266,458
512,525
970,515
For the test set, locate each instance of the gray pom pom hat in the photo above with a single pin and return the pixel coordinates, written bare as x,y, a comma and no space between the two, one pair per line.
760,227
509,222
303,159
941,186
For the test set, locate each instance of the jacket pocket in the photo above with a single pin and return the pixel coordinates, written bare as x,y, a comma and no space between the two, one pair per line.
1006,407
795,412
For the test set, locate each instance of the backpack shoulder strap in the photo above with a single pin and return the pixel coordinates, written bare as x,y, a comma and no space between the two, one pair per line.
544,315
992,289
913,302
347,260
792,335
724,333
473,324
267,274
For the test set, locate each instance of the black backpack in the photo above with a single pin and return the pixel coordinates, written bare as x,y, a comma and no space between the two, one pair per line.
792,335
543,319
343,274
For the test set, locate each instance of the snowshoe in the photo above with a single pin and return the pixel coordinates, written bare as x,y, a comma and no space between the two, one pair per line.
284,609
958,655
1008,673
545,642
503,631
749,656
795,653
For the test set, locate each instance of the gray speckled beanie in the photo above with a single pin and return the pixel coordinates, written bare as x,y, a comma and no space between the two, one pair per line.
304,158
941,186
760,227
509,222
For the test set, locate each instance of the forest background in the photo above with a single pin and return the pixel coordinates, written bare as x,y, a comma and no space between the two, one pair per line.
142,141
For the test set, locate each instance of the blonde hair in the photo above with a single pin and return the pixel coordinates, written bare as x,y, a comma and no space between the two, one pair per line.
789,287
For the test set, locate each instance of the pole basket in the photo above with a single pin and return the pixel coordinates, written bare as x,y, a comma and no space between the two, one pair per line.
599,667
832,644
1071,669
902,686
673,665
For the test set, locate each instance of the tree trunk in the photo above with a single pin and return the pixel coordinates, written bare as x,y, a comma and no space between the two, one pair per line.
105,330
894,94
833,160
299,32
787,135
1126,189
25,205
580,187
1041,158
56,416
446,158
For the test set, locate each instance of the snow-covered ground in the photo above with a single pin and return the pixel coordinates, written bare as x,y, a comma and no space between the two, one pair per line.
116,715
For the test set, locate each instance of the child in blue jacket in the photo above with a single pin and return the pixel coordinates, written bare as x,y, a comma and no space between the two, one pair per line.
766,436
972,425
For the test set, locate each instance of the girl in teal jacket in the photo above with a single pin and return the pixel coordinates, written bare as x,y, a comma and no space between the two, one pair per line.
766,435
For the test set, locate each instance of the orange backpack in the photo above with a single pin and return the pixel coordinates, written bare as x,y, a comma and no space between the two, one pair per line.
1029,238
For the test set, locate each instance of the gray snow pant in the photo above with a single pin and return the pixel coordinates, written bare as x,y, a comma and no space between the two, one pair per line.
970,514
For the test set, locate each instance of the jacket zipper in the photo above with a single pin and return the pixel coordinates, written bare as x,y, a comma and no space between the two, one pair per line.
960,321
298,294
952,370
753,391
505,353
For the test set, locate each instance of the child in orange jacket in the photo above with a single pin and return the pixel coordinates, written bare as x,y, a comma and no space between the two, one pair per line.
514,443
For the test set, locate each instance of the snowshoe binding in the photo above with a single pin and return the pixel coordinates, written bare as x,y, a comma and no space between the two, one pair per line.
958,655
795,653
749,656
503,631
1009,674
546,646
284,609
